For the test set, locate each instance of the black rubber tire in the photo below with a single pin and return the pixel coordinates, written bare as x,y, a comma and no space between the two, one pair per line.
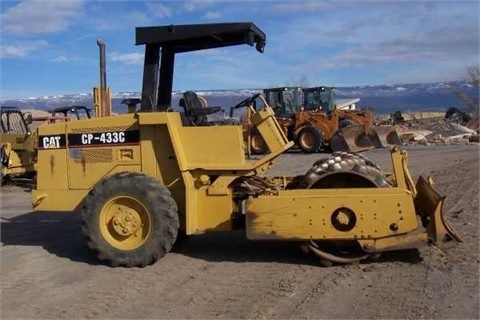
345,123
260,146
156,199
316,138
2,160
1,173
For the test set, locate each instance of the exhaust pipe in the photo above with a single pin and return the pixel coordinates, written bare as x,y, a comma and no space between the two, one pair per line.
104,108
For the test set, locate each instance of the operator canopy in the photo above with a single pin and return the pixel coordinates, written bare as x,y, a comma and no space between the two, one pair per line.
191,37
174,39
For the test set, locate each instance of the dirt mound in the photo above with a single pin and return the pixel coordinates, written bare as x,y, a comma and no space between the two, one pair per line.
474,123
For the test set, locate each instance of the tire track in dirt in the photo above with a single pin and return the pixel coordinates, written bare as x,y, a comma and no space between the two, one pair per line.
133,293
363,291
450,267
412,289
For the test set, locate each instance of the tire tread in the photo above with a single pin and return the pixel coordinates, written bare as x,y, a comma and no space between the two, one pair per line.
155,197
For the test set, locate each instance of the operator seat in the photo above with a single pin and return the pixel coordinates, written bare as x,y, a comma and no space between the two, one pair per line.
195,112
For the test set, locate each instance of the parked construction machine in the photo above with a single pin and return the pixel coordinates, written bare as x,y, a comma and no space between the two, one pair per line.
62,114
74,112
17,145
19,142
141,178
315,120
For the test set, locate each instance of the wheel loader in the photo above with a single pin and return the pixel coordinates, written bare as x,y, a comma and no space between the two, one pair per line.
316,120
142,178
356,131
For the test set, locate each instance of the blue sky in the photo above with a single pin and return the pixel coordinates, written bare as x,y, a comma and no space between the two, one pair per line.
49,47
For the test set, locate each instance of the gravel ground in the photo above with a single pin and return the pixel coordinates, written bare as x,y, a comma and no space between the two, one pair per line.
48,272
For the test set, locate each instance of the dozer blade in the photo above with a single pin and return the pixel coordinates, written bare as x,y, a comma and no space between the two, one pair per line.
429,206
383,136
352,138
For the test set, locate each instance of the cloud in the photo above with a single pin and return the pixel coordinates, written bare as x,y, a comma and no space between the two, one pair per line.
440,44
212,15
416,33
128,58
221,68
40,17
139,18
60,59
194,5
12,52
21,50
110,16
159,10
430,72
307,6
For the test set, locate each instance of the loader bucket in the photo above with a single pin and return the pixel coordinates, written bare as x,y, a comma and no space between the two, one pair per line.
352,138
407,137
383,136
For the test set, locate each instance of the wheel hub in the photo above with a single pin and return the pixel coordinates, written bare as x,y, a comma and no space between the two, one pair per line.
343,218
126,221
308,139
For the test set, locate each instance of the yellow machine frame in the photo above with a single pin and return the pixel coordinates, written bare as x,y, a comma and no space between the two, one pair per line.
183,158
187,161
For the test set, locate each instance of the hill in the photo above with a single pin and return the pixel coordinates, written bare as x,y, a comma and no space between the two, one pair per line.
383,98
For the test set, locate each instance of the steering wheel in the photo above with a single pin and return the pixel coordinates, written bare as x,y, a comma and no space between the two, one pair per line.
244,103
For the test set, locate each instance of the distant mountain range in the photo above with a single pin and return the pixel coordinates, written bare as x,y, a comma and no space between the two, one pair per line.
384,99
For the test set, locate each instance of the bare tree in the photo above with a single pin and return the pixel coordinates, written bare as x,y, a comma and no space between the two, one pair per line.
472,103
473,78
302,81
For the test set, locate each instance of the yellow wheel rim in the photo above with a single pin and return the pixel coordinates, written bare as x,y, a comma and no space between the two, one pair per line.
125,223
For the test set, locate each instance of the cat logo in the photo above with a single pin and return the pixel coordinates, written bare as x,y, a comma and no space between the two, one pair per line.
51,142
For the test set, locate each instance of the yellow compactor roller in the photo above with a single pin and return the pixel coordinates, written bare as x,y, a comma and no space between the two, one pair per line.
141,178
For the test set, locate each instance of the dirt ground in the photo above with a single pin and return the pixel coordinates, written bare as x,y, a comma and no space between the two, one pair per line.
48,272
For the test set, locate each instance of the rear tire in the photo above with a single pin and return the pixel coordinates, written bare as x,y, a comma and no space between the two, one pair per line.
130,220
257,144
310,139
3,159
1,173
